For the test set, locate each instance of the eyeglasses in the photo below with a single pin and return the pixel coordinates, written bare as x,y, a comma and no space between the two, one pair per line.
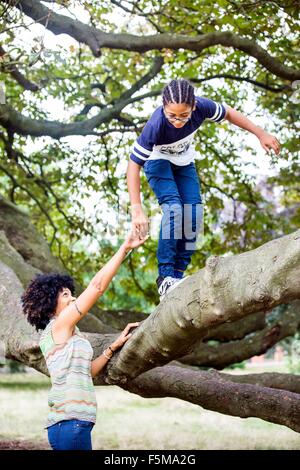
174,119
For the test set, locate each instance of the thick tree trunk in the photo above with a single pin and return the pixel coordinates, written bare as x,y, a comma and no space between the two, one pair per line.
226,290
27,253
207,389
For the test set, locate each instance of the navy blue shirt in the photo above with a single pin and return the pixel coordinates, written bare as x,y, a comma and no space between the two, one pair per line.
161,140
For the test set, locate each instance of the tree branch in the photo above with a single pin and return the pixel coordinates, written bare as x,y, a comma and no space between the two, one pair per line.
16,122
265,86
139,13
288,382
97,39
214,393
227,289
254,344
23,240
206,389
14,72
237,329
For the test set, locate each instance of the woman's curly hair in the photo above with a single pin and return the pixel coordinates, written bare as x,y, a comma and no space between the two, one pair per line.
39,301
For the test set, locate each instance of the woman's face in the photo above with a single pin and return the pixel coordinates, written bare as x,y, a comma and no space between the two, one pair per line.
178,113
64,299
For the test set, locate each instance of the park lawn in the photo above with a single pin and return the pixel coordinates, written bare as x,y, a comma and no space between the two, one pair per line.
127,421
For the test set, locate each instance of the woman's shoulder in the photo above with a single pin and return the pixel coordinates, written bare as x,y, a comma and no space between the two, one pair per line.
46,340
49,339
47,328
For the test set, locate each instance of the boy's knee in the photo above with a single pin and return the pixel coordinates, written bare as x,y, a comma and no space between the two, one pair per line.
168,202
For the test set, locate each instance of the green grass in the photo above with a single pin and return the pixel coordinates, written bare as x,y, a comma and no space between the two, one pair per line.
127,421
22,381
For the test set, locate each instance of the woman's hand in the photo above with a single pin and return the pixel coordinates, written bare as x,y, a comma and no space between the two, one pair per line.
124,336
133,241
269,142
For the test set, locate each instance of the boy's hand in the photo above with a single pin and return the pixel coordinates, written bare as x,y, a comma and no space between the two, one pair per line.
139,222
269,142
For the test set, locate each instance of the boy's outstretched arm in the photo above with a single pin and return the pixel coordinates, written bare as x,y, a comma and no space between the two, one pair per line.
267,141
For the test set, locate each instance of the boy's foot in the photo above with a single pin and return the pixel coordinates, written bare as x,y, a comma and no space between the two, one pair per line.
166,284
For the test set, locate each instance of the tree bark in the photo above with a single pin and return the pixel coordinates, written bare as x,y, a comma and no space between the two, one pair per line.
97,39
207,389
27,253
18,242
227,289
225,332
286,323
14,72
290,382
238,329
18,250
212,392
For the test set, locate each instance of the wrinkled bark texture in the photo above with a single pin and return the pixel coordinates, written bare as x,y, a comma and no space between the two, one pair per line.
26,252
233,396
227,289
238,290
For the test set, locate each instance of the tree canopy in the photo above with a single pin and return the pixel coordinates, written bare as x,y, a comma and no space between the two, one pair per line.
96,69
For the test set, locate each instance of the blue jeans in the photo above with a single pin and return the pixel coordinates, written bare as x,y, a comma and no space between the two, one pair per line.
177,189
71,434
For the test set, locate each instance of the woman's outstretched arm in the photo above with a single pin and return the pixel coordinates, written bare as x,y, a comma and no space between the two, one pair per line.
74,312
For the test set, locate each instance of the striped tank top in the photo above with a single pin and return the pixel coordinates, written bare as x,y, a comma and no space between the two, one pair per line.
72,395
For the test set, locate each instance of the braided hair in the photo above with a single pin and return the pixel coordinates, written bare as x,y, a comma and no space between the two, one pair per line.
179,91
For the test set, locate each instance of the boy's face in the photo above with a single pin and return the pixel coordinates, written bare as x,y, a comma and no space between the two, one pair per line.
178,113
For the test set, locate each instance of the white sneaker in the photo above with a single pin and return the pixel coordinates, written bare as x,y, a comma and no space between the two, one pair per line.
168,284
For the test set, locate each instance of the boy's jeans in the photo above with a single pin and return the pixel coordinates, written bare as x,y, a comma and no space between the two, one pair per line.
177,189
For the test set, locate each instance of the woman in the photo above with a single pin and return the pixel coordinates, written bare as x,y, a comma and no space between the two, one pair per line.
166,152
49,304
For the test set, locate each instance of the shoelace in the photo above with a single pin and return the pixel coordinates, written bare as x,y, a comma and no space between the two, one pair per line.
169,281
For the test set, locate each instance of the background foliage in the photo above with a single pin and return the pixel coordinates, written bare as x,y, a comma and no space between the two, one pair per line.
75,187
